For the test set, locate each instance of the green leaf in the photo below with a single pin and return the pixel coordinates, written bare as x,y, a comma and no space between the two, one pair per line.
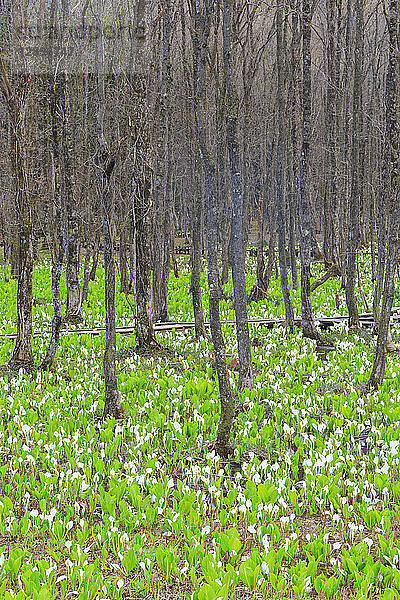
249,574
267,493
45,594
390,594
206,592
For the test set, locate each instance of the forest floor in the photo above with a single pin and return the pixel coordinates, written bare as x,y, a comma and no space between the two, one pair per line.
140,508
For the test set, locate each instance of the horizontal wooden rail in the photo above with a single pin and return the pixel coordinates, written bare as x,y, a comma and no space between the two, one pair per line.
366,320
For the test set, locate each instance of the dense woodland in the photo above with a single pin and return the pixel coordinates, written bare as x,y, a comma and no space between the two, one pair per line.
220,179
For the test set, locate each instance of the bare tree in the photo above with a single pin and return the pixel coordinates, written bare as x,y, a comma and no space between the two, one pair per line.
280,204
55,93
306,233
354,201
142,181
106,163
238,237
202,15
393,204
162,175
16,95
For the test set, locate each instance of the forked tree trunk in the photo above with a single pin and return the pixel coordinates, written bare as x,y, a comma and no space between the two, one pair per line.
16,99
238,245
393,246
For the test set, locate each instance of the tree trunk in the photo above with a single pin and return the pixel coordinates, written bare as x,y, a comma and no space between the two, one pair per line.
280,204
393,246
73,313
293,154
86,271
15,101
55,101
142,183
143,259
202,23
195,283
382,246
238,246
105,165
353,241
162,179
331,213
55,290
96,252
112,403
260,243
306,234
123,260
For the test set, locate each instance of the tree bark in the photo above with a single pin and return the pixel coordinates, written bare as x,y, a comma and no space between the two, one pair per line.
142,184
294,226
306,235
86,271
393,246
331,225
96,253
73,313
195,282
280,204
55,100
202,17
16,98
353,241
162,179
125,283
238,246
105,165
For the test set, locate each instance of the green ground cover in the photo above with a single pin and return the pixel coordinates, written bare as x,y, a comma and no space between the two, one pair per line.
141,509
